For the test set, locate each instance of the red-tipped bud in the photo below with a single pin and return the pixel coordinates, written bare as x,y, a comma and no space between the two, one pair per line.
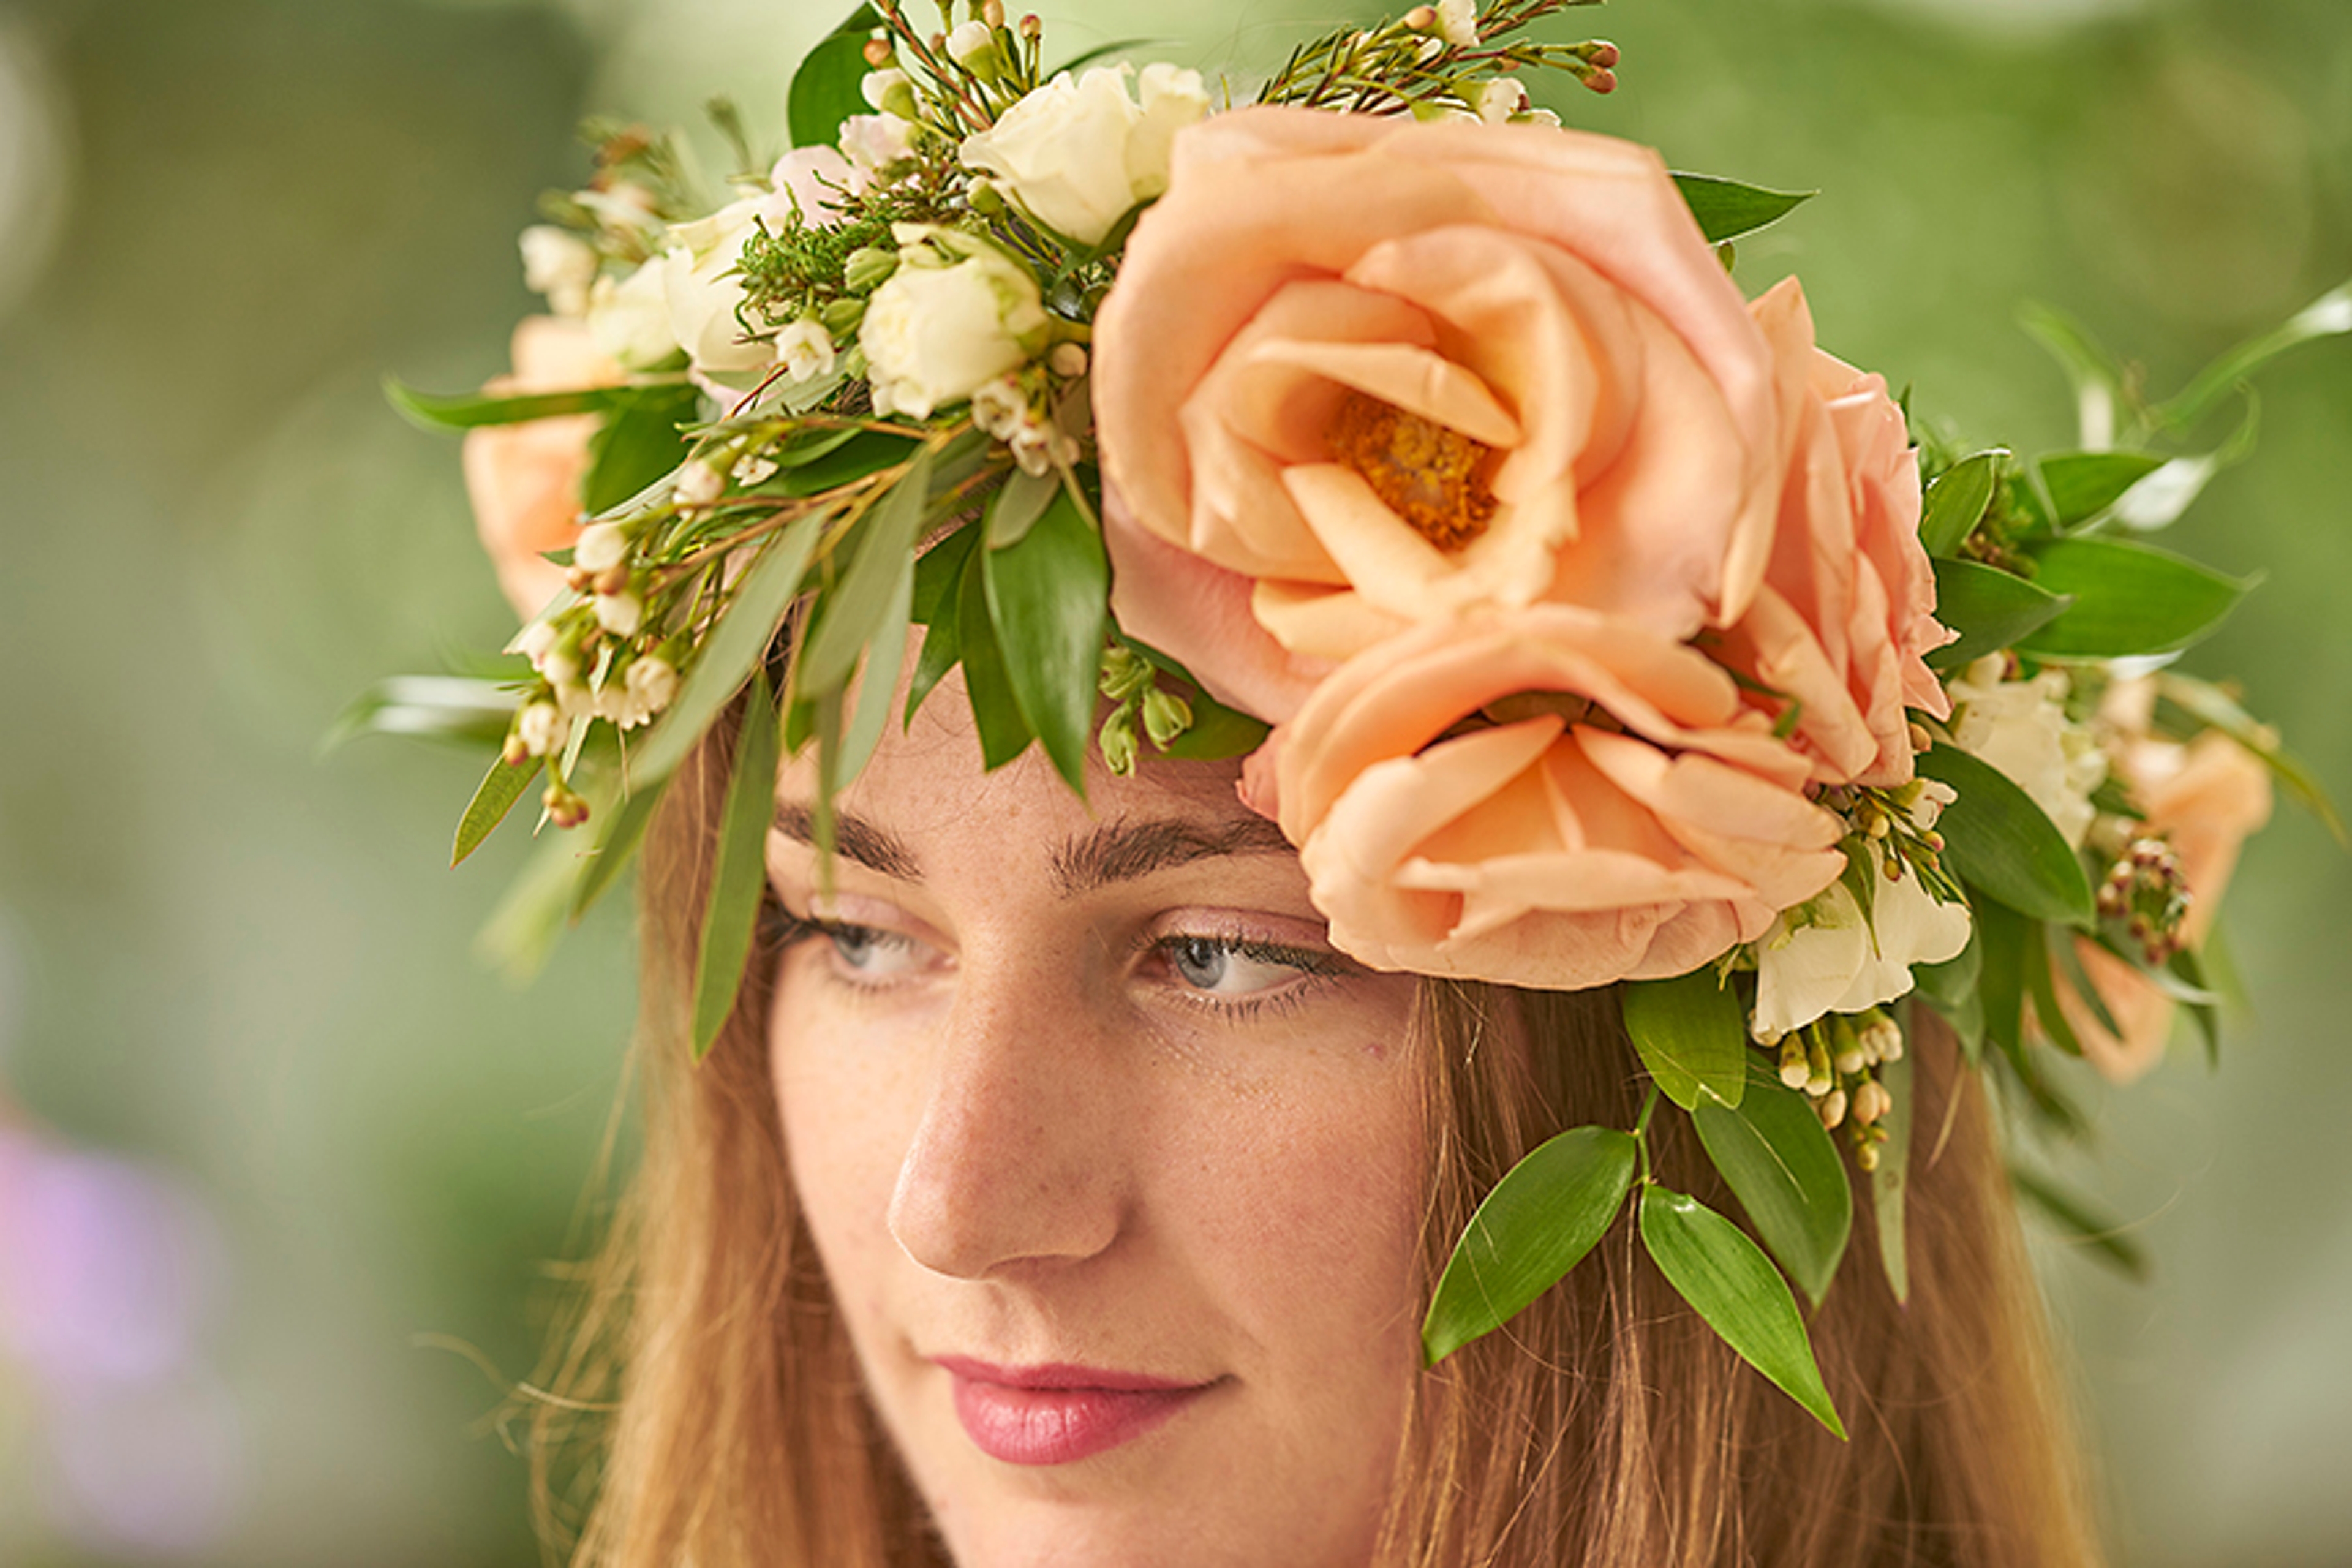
877,53
1032,27
1601,81
1603,54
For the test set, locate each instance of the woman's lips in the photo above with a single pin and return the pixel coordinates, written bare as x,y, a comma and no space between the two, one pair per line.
1059,1414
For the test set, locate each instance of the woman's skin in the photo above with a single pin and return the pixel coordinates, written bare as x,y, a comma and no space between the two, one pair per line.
1114,1164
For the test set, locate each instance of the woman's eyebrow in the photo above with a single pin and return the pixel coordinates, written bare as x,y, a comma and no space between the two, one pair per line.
1123,850
854,838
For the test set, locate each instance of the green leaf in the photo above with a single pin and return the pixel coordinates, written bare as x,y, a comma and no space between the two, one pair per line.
2078,1219
1726,209
866,452
502,786
624,828
1016,507
828,86
2183,980
640,441
2066,963
1952,988
1786,1172
848,613
444,707
877,684
1004,733
1991,609
2042,990
1217,732
938,606
1537,1225
1995,836
523,930
1046,601
2128,599
2208,704
742,873
2327,316
1729,1282
466,411
1956,502
2082,485
2097,379
739,641
2001,935
1691,1036
1892,1180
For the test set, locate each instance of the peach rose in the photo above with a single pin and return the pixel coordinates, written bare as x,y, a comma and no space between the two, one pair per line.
2205,798
524,480
1630,820
1359,373
1847,609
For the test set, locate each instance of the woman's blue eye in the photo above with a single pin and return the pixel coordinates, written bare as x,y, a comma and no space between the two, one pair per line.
1224,966
869,952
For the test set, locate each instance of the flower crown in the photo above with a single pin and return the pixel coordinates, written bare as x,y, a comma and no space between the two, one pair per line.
1582,622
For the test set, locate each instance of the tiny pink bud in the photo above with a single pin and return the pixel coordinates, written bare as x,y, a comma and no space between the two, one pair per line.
1602,81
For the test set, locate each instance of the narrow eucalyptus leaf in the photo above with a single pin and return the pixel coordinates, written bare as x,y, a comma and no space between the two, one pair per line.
2327,316
2082,485
1956,500
877,683
1890,1183
939,577
866,452
1046,600
1016,507
1690,1035
502,786
2042,991
1785,1172
1996,837
826,88
1726,209
727,654
2183,980
732,915
2077,1217
2129,599
1004,733
1991,609
1537,1225
2066,964
444,707
883,559
1729,1282
467,411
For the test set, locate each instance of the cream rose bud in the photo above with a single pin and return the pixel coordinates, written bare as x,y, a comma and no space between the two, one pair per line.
1824,956
1079,155
2020,728
703,292
936,334
889,92
561,265
806,350
629,317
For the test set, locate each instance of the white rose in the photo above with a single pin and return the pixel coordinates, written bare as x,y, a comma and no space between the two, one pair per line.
2020,728
934,334
1078,155
703,292
561,265
806,350
873,143
1824,957
629,317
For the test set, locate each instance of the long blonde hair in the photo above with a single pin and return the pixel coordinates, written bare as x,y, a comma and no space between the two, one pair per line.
706,1409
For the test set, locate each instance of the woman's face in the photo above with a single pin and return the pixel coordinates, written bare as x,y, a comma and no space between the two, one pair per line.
1114,1164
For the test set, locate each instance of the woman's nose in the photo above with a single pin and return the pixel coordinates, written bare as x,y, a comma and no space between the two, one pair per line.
1017,1161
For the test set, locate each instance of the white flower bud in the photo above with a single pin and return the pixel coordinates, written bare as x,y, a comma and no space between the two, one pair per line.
1458,23
653,682
602,547
806,350
1871,1101
889,92
620,613
1500,98
1000,407
1068,360
559,263
1832,1109
699,484
543,728
535,642
970,41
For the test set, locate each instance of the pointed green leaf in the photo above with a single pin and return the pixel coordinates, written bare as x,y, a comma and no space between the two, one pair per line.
1691,1036
502,786
2327,316
1890,1183
739,641
827,89
1991,609
1046,601
466,411
616,846
1015,508
866,452
2076,1216
442,707
1785,1172
877,684
742,873
1996,837
2208,704
1729,1282
2066,964
1953,989
1956,500
938,606
1004,733
2128,599
2042,990
639,442
881,569
1726,209
2183,980
2082,485
1537,1225
2002,934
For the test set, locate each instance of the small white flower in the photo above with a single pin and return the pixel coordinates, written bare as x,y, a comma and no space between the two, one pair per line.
653,682
1458,23
620,613
1500,98
806,350
1824,957
1038,447
543,728
561,671
559,263
601,546
875,143
753,470
699,484
881,87
970,41
936,334
1871,1102
1543,117
535,642
629,317
2020,728
1000,407
1079,155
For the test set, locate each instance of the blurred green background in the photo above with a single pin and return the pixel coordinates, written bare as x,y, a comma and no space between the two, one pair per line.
295,1161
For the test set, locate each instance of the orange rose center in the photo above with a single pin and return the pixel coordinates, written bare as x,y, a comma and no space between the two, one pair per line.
1431,476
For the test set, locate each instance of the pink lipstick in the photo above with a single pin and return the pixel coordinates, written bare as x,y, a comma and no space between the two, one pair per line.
1059,1414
